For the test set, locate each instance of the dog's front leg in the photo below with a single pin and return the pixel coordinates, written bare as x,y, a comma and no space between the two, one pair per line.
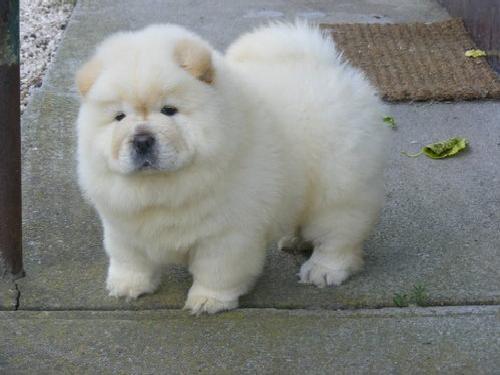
223,269
130,272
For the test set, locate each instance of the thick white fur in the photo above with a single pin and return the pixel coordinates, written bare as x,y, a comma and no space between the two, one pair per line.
286,140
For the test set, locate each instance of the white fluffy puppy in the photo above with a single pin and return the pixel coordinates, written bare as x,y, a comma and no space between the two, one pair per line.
202,159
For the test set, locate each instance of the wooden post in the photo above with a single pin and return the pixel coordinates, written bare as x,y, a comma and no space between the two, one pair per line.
10,146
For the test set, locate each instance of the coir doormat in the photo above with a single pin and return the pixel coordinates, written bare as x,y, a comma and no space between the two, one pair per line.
417,61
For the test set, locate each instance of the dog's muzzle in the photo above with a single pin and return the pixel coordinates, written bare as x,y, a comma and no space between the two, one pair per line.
144,151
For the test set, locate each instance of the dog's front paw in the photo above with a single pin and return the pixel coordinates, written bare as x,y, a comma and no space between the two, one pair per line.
321,275
203,300
130,285
203,304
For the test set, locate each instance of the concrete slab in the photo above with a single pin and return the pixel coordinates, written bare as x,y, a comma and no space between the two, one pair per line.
9,295
440,226
388,341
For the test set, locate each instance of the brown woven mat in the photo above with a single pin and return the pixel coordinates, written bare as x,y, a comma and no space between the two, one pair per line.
417,61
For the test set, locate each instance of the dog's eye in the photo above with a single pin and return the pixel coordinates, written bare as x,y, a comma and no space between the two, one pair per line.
168,110
120,116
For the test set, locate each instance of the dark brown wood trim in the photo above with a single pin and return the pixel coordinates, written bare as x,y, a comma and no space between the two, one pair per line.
10,146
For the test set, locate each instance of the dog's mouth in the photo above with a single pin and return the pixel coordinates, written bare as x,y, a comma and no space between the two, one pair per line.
146,164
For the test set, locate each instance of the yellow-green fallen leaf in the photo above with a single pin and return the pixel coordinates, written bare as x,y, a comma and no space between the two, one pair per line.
475,53
390,121
444,149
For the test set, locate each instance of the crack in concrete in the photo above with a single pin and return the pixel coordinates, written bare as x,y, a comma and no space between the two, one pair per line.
17,297
465,304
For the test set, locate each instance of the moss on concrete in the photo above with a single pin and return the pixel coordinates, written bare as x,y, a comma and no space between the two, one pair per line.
441,340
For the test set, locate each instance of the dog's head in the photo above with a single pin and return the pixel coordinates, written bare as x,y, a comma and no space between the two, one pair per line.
148,101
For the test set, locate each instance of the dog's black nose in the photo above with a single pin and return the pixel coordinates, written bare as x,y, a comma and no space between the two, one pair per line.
143,143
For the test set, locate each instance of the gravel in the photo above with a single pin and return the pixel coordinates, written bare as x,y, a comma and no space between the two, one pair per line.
42,24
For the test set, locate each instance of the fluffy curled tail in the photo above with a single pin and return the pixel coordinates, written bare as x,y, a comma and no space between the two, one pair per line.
281,41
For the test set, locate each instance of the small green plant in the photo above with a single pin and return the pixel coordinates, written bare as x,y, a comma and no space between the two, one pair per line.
400,300
418,296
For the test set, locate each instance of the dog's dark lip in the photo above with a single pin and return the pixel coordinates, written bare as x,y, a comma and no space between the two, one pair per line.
146,166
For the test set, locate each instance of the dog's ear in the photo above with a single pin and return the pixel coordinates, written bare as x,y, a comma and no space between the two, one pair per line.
87,75
195,58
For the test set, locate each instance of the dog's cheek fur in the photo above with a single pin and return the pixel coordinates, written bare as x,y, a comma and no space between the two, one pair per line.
121,135
93,142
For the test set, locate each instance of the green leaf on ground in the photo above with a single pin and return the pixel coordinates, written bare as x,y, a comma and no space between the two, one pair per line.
443,149
475,53
390,121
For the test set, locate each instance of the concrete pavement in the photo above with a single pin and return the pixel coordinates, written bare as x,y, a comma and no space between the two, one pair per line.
440,228
390,341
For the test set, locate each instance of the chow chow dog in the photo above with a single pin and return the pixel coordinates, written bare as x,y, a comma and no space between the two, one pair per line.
201,158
